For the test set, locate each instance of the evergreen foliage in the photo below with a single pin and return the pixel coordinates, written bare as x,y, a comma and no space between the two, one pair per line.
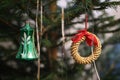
54,66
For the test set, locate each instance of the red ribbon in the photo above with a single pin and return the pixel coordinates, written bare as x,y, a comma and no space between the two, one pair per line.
90,39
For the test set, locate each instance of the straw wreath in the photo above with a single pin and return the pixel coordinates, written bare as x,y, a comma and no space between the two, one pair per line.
93,42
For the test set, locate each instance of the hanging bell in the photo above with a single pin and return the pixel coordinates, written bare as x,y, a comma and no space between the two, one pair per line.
27,49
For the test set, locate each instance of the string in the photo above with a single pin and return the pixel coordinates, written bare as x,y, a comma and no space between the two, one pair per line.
41,24
63,34
41,18
38,39
62,29
28,8
95,67
86,20
94,64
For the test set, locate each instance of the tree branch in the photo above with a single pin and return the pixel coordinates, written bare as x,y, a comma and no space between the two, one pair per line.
111,24
9,24
116,30
105,5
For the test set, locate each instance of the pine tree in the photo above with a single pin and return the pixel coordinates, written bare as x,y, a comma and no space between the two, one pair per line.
13,15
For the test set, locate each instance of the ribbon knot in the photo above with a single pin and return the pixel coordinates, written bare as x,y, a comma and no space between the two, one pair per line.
90,39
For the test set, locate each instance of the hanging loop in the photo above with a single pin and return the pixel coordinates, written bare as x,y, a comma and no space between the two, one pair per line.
86,21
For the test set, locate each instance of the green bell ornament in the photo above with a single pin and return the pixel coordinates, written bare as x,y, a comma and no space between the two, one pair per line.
27,50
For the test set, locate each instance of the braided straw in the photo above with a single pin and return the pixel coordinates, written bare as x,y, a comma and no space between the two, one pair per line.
85,60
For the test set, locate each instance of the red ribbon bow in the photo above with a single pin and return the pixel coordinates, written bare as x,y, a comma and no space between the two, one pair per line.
90,39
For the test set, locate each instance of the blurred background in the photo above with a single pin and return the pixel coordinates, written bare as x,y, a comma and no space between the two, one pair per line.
104,21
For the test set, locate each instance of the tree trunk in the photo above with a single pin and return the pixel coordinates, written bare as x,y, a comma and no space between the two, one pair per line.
52,51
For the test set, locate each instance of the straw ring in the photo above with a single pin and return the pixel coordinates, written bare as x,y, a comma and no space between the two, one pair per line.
85,60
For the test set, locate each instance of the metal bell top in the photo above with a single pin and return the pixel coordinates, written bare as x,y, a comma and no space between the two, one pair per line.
27,28
27,49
